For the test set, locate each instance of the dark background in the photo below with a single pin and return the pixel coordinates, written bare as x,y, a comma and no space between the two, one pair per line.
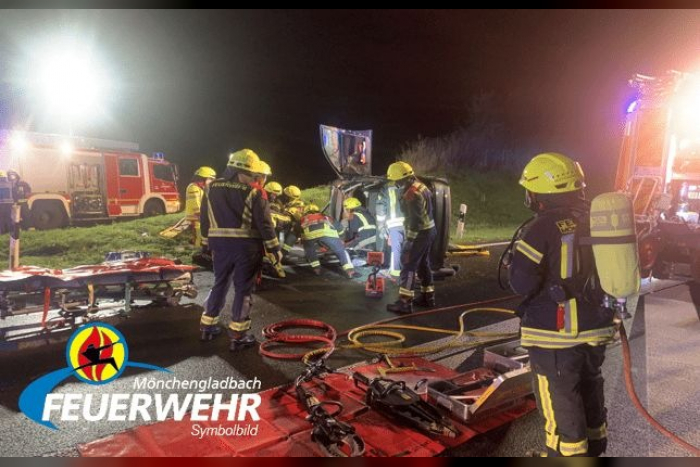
196,84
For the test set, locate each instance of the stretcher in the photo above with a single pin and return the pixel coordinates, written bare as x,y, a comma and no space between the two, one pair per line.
80,292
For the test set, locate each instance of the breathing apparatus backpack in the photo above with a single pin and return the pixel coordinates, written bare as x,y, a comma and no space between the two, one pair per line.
614,244
605,242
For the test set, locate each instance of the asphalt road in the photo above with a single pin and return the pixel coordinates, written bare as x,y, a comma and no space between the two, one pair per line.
168,337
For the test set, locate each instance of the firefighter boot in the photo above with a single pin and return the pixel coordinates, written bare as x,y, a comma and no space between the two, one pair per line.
240,341
425,299
209,333
402,306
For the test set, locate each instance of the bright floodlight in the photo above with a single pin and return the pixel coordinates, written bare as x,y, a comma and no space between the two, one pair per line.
18,142
66,148
71,83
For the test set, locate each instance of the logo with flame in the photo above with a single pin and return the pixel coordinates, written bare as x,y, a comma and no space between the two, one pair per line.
97,353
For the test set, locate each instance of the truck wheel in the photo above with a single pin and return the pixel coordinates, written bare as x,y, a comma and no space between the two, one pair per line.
153,207
48,215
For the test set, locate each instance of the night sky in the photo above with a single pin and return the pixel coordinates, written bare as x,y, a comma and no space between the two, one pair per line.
196,84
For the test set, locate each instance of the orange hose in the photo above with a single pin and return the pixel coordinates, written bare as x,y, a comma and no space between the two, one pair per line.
629,385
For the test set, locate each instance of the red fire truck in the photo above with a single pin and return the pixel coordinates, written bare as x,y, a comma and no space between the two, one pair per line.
76,179
659,167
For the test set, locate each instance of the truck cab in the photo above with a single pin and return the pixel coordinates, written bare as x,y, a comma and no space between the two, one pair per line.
349,153
659,166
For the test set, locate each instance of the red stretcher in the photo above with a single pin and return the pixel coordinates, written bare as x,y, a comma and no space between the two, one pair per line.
77,291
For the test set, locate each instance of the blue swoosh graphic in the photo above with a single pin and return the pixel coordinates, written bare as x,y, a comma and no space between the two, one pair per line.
33,398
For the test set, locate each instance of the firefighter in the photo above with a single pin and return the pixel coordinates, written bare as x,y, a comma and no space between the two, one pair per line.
274,193
20,193
281,218
390,221
417,204
6,202
292,197
237,226
193,201
361,230
563,325
318,229
292,204
261,170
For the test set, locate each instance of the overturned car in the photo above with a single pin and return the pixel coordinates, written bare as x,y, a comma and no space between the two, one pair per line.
350,155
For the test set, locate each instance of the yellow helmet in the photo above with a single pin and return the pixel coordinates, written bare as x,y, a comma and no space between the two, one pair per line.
261,168
292,192
296,212
3,174
399,171
206,172
274,188
351,203
552,172
310,208
297,203
243,159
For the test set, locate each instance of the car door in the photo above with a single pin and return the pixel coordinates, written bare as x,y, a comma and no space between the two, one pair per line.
349,152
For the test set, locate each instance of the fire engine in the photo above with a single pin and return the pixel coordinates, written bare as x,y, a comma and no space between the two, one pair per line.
659,167
76,179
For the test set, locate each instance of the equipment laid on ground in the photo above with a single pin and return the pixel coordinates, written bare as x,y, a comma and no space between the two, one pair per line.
174,230
87,179
76,292
334,437
503,381
396,401
374,287
467,250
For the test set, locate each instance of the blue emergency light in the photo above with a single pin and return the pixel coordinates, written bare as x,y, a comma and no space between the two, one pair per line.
158,156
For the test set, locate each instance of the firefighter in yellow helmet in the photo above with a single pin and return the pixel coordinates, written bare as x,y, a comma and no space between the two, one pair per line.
317,229
281,218
563,323
291,199
417,205
237,224
361,230
193,200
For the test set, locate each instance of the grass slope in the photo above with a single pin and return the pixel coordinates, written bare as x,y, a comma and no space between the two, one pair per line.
495,210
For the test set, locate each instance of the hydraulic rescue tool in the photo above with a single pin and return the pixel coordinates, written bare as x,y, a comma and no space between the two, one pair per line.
398,402
374,287
334,438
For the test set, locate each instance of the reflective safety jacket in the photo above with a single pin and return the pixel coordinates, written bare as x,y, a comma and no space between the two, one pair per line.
233,210
361,228
389,212
548,267
280,217
317,225
193,200
417,206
